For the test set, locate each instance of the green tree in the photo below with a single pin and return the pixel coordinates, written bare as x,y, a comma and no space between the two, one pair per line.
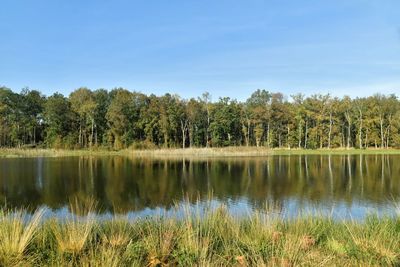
84,104
259,104
58,119
118,117
226,126
33,105
6,110
300,114
206,101
197,120
102,99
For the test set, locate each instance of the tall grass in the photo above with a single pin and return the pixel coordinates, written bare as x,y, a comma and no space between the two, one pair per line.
210,238
73,234
235,151
16,233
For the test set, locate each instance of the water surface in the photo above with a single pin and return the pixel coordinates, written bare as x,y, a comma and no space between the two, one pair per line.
342,185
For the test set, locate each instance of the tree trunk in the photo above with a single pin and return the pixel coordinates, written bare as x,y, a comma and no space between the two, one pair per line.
342,137
92,134
208,126
305,136
248,132
268,141
348,136
166,139
183,138
279,140
191,133
80,134
360,130
299,130
184,127
381,124
34,135
330,130
348,129
388,131
388,137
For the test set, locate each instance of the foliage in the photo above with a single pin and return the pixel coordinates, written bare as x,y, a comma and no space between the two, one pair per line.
120,119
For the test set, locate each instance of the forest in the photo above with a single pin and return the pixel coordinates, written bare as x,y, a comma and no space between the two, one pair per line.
120,118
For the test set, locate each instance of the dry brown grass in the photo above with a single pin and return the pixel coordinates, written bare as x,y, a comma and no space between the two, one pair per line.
233,151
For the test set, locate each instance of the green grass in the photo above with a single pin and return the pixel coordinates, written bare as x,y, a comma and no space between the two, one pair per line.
213,239
190,152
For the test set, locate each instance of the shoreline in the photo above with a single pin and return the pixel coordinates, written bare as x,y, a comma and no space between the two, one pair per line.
224,152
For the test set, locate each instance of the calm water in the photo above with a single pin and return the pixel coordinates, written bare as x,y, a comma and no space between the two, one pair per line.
344,185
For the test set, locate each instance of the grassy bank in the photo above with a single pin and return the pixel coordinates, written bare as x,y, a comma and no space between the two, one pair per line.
191,152
252,152
213,239
15,152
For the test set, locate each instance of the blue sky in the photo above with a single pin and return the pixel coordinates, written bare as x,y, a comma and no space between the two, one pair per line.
229,48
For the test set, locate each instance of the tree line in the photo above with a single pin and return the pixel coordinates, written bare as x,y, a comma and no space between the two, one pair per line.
120,119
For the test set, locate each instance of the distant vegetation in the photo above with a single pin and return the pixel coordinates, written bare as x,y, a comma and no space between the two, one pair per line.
212,239
120,119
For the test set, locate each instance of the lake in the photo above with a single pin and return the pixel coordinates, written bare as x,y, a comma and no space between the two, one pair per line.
348,186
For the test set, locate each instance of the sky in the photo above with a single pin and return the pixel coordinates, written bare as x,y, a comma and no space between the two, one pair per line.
228,48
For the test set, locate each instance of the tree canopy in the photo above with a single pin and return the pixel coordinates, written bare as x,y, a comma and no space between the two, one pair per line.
120,118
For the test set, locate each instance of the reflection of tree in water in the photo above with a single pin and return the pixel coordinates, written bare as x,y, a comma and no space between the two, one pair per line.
125,184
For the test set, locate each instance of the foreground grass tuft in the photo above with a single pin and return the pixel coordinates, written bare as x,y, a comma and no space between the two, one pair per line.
74,233
210,238
16,233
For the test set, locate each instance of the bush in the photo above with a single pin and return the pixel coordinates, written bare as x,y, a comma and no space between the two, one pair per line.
141,145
